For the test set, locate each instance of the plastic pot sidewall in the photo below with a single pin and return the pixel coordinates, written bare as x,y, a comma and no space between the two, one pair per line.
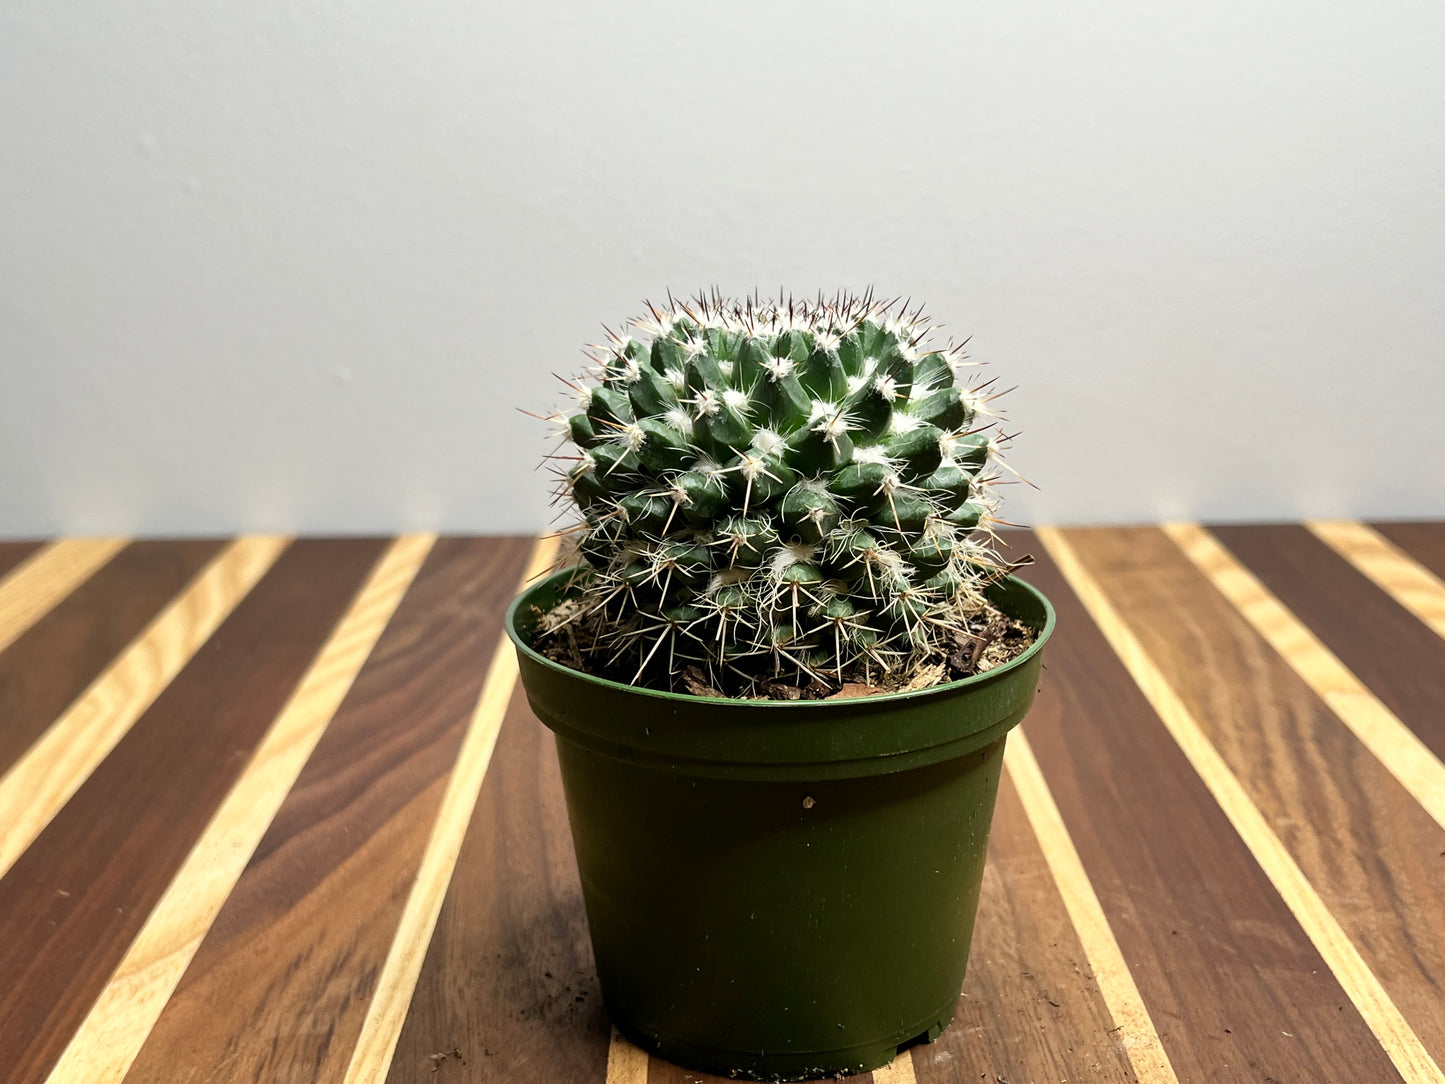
780,890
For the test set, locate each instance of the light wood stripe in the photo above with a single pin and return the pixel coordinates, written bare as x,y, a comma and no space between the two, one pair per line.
626,1064
1394,571
897,1071
1394,744
106,1044
386,1012
42,781
1136,1029
1369,997
32,590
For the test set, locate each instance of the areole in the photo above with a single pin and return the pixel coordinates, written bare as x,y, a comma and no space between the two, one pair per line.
779,890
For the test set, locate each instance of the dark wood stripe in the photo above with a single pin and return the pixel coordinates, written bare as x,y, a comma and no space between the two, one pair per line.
12,553
53,662
74,901
1369,850
508,979
1399,658
279,988
1423,541
1221,964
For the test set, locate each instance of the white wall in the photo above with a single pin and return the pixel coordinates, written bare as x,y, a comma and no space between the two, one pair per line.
266,265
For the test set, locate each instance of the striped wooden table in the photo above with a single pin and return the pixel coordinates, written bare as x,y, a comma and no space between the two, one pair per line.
273,810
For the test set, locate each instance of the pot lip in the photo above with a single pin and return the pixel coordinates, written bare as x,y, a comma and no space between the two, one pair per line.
733,703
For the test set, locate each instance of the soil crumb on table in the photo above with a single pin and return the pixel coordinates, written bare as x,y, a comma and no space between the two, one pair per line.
442,1055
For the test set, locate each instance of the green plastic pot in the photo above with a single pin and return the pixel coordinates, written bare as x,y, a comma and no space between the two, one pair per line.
780,890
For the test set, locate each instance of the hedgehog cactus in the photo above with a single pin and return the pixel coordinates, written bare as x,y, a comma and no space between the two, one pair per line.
779,490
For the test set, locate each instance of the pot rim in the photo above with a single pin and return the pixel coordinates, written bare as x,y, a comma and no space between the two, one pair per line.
730,702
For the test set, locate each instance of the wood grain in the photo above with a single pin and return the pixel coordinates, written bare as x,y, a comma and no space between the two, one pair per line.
508,977
1131,1018
1351,853
29,591
898,1071
1399,660
81,893
1398,748
1397,574
296,950
107,1042
37,785
1425,542
13,553
52,663
1234,985
255,887
626,1064
371,1056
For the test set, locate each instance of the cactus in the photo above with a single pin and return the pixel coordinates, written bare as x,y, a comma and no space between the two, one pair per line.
778,490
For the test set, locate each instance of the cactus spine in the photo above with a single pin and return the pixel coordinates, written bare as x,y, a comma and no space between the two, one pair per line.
776,488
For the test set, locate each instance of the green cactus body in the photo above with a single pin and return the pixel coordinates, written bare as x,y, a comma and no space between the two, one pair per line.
780,489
